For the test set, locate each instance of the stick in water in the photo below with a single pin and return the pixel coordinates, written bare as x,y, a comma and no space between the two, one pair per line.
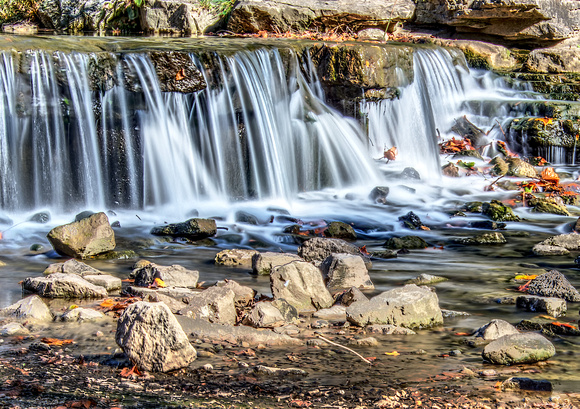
343,347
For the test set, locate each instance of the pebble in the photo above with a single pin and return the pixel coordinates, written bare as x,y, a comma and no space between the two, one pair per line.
488,372
208,367
99,334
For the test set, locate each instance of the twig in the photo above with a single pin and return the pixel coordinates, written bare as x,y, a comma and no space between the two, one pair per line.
343,347
495,181
501,129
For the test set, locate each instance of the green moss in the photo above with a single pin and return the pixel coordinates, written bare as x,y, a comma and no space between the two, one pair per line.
476,60
499,212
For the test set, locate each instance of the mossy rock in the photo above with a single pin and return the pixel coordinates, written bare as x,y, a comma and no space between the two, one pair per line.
548,205
500,166
499,212
406,242
340,230
468,153
473,207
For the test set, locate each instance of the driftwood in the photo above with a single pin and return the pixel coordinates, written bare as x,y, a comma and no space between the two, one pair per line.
346,348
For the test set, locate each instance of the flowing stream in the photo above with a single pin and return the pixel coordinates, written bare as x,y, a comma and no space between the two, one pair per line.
261,139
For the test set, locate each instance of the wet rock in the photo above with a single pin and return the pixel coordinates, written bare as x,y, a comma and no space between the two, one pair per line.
29,308
500,166
469,153
384,254
84,238
365,342
13,329
340,230
410,173
426,279
178,18
216,304
264,263
495,329
202,329
318,249
553,284
301,285
40,217
116,255
60,285
334,313
243,295
405,242
342,271
549,329
548,205
83,215
464,128
351,296
487,225
483,239
139,264
526,384
152,338
450,170
192,229
107,281
176,72
473,207
37,248
172,276
412,221
520,168
389,329
570,241
264,315
245,217
499,212
545,250
453,314
81,314
555,307
379,194
409,306
277,372
72,266
288,311
373,34
235,257
525,348
319,324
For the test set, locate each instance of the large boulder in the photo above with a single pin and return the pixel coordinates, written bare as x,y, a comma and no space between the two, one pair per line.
216,304
152,338
192,229
178,17
85,238
343,271
172,276
29,308
318,249
264,315
409,306
251,16
301,285
243,295
525,348
264,263
496,329
60,285
553,284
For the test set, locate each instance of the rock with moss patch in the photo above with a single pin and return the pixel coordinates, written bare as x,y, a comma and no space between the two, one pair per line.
482,239
520,168
192,229
525,348
405,242
500,166
553,205
499,212
340,230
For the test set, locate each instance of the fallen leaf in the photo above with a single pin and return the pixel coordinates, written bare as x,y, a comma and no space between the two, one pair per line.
56,342
550,175
391,154
180,75
525,276
394,353
108,303
545,121
462,334
563,324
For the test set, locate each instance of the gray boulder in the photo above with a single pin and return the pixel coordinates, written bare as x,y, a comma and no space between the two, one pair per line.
72,266
553,284
496,329
570,241
243,295
192,229
264,315
546,250
235,257
13,329
216,304
60,285
409,306
525,348
301,285
29,308
152,338
264,263
343,271
351,296
107,281
85,238
172,276
555,307
318,249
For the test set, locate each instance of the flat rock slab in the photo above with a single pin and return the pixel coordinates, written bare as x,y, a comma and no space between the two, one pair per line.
84,238
60,285
570,241
72,266
107,281
82,314
277,372
28,308
410,306
388,329
553,284
334,313
555,307
547,250
202,329
524,348
152,338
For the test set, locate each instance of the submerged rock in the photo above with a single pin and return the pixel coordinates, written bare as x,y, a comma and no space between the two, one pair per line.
426,279
553,284
405,242
84,238
525,348
526,384
409,306
264,263
152,338
412,221
555,307
301,285
60,285
343,271
485,238
192,229
379,194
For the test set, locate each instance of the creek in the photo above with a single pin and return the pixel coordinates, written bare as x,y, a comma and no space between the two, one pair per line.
262,140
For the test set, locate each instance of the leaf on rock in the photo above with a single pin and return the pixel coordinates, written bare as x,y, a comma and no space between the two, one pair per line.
55,342
550,175
394,353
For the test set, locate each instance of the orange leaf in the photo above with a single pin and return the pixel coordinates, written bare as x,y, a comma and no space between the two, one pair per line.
391,154
56,342
462,334
563,324
108,303
180,75
363,250
497,385
545,121
550,175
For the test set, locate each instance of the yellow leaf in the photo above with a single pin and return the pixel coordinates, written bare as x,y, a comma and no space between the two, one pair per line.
394,353
526,276
160,283
72,307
